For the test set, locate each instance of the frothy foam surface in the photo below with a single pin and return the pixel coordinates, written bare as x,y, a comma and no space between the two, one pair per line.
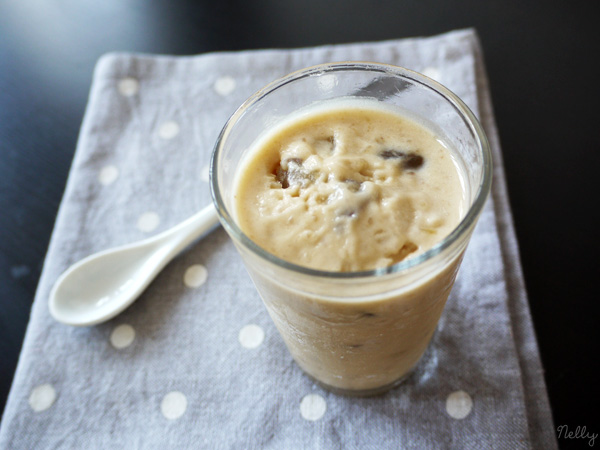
348,186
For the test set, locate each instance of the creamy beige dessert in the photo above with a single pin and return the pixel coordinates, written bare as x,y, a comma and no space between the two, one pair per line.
348,187
351,186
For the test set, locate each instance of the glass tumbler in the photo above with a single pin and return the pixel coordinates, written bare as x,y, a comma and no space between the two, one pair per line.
357,333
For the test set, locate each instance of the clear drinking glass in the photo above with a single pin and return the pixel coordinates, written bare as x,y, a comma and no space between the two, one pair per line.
358,333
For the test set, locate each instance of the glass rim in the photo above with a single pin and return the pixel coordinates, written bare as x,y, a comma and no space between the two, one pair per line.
465,224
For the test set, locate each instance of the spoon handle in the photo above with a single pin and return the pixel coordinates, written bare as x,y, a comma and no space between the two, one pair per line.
183,234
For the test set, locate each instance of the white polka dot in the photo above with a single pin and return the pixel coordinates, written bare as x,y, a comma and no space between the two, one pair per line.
205,174
108,175
42,397
313,407
432,73
459,405
195,276
224,86
128,86
168,130
251,336
173,405
148,221
122,336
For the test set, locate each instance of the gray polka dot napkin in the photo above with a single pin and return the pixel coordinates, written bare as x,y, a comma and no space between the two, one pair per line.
196,361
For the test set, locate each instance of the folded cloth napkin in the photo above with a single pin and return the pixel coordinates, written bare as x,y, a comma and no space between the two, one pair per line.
196,361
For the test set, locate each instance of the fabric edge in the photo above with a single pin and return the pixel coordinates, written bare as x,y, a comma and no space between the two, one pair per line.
38,303
537,405
109,59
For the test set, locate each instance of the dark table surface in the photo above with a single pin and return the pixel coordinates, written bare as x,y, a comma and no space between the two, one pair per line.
541,59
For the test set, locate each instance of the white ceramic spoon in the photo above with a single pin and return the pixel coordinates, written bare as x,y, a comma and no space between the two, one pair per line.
101,286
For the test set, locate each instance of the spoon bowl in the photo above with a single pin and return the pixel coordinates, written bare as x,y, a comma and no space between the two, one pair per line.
102,285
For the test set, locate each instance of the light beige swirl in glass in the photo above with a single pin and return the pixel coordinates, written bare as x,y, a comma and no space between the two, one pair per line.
348,187
351,186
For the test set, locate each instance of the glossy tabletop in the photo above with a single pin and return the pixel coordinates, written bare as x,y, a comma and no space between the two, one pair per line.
540,58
